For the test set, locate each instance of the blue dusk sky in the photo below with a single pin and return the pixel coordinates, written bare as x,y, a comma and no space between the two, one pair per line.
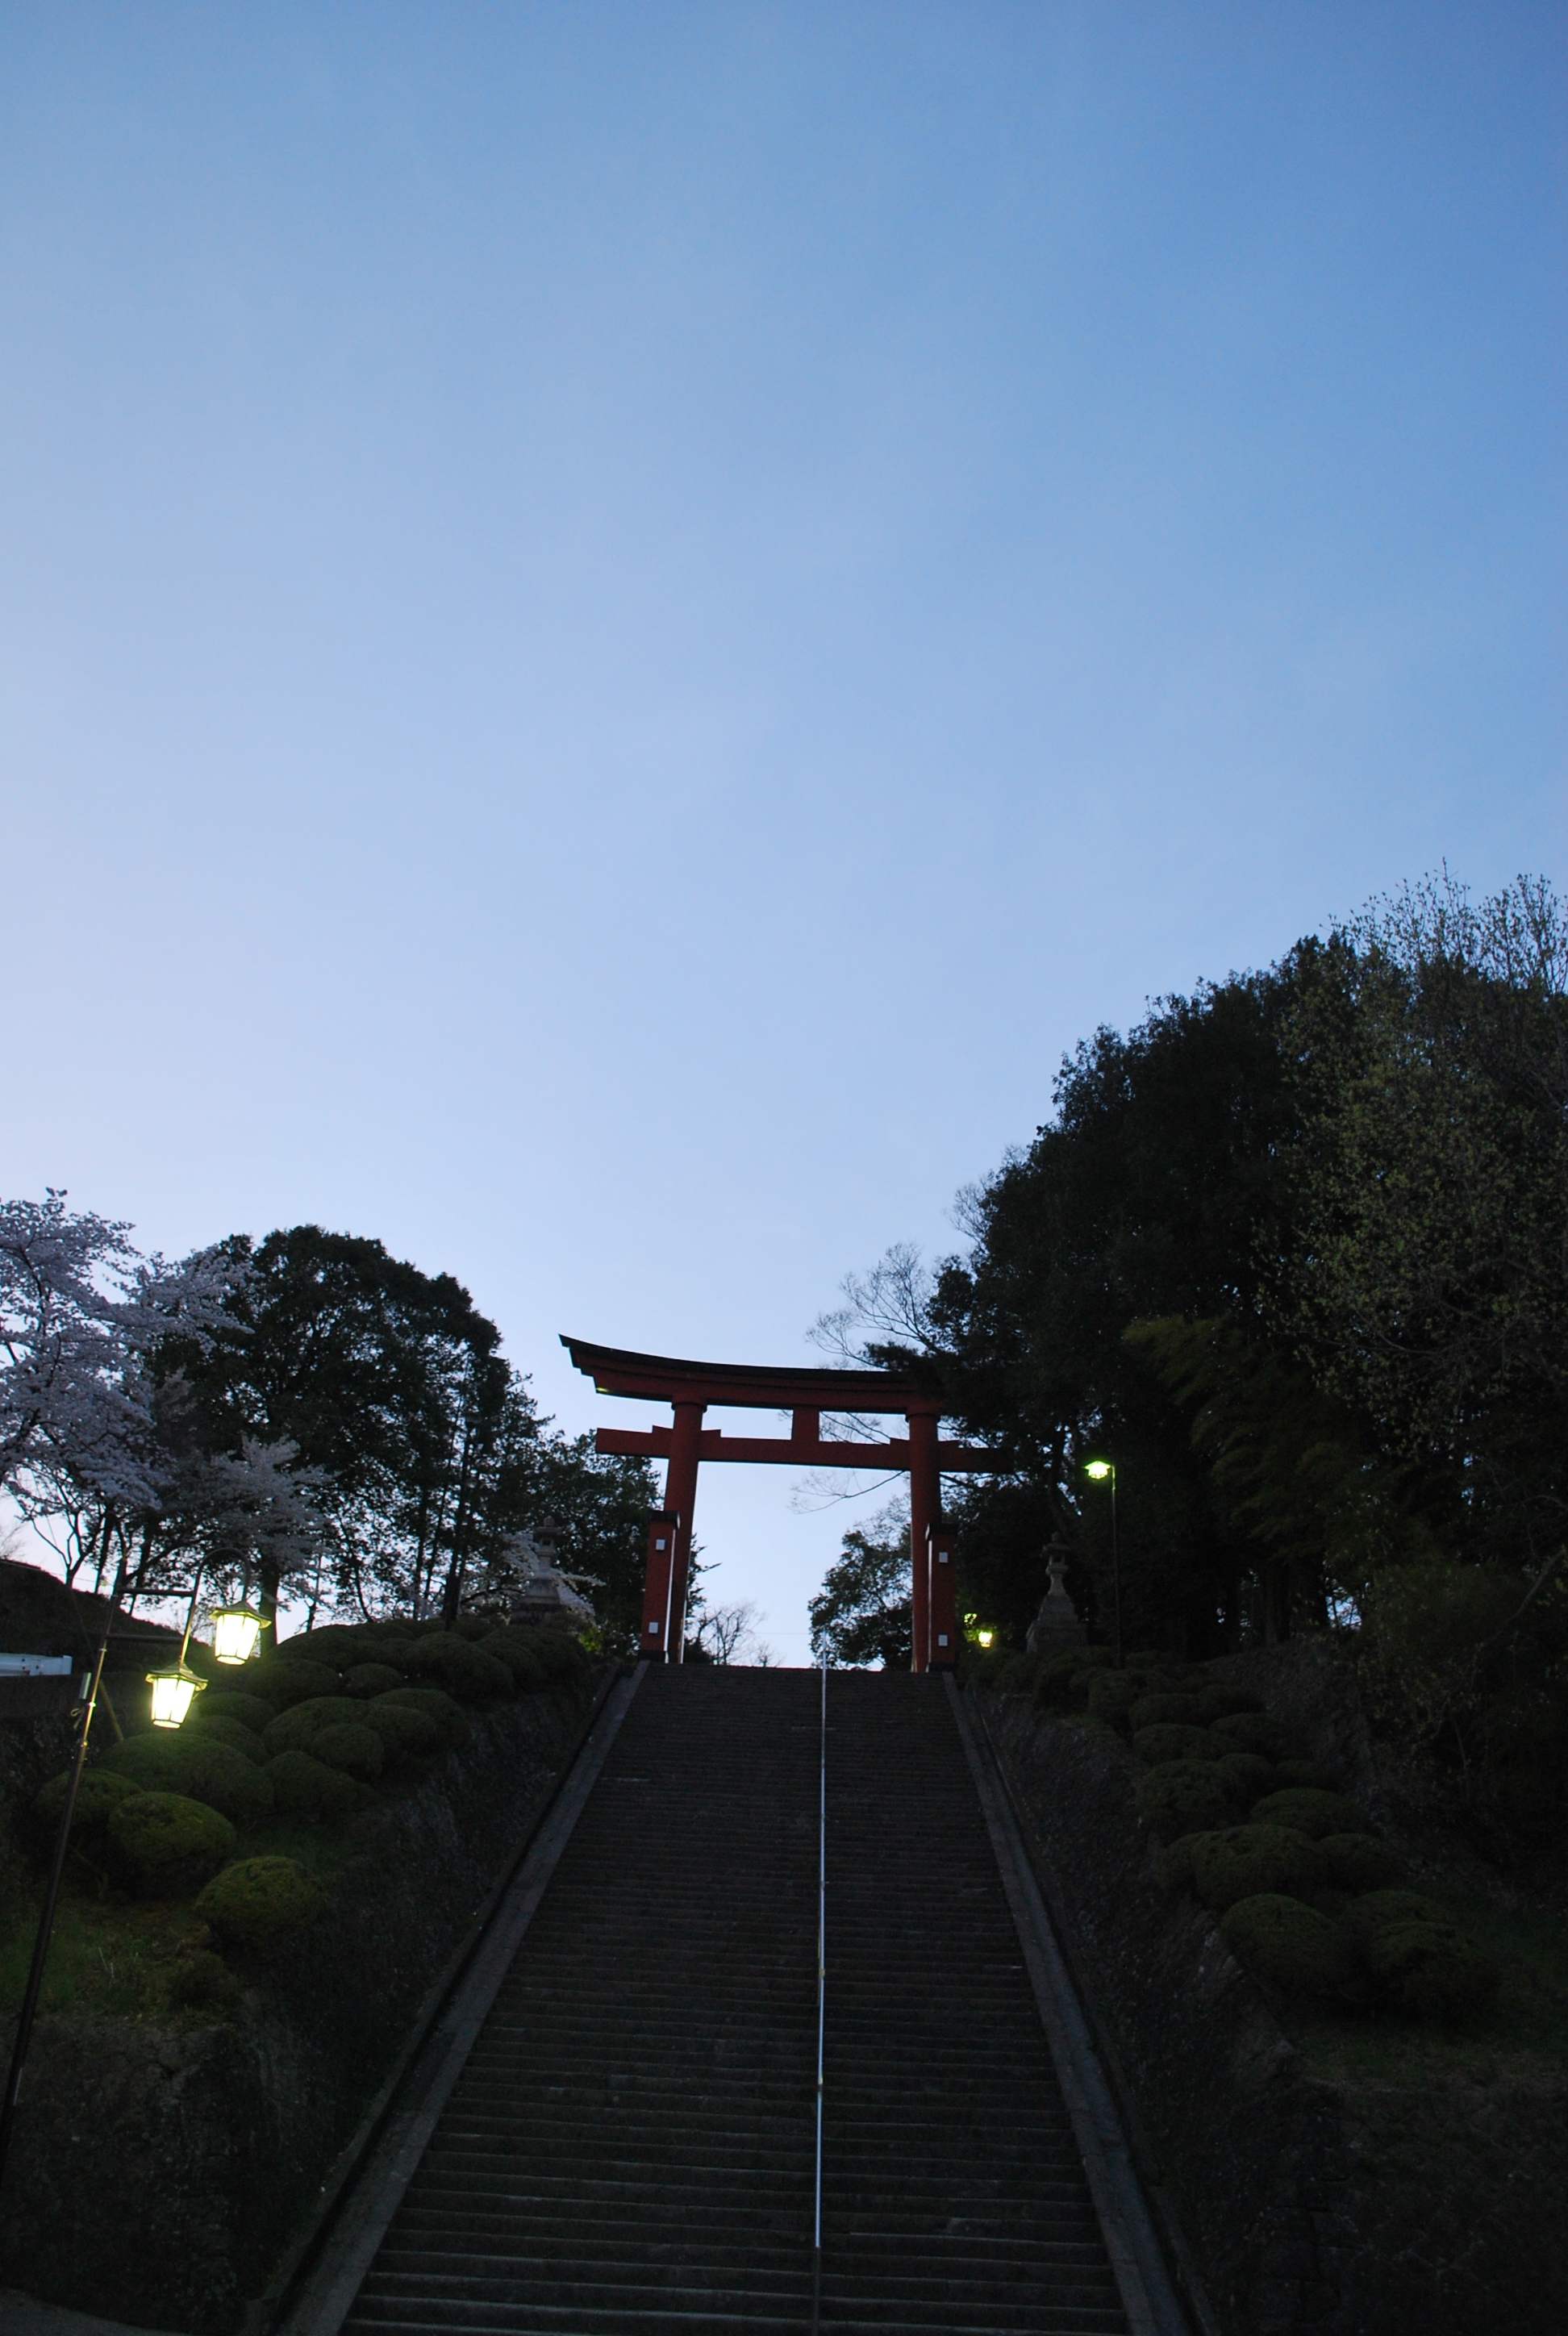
619,619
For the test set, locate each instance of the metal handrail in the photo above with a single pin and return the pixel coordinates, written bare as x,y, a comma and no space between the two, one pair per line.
822,1997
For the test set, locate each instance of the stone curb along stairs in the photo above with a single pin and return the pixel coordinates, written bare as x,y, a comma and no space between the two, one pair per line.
610,2131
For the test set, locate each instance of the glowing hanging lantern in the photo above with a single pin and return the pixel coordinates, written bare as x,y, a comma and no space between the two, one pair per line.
985,1637
235,1630
173,1692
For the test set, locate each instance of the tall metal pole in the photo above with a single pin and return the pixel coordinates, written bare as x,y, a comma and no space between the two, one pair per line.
51,1888
821,1996
1116,1568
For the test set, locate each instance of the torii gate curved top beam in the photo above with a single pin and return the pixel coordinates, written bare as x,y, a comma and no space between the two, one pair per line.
690,1387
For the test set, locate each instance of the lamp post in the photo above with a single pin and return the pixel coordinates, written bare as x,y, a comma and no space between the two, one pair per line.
56,1869
1099,1470
173,1692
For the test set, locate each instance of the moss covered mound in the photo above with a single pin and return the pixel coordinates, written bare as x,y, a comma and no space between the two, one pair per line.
306,1788
404,1732
1290,1945
98,1797
1185,1797
1172,1710
1156,1746
219,1703
447,1713
238,1737
1417,1960
203,1981
1254,1731
1251,1775
353,1748
163,1843
296,1729
447,1661
1357,1863
511,1648
362,1681
1313,1812
286,1679
193,1764
558,1655
260,1901
1254,1859
1224,1700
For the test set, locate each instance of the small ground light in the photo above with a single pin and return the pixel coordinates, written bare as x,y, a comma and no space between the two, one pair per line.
235,1630
985,1637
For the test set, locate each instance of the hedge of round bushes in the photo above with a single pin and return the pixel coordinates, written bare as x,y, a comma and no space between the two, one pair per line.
309,1730
1309,1900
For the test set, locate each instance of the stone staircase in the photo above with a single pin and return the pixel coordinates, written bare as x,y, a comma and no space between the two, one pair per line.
631,2145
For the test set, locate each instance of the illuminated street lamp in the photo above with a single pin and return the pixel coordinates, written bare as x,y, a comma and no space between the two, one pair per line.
235,1630
1099,1470
173,1692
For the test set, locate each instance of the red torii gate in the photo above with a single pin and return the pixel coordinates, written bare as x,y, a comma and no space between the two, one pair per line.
691,1387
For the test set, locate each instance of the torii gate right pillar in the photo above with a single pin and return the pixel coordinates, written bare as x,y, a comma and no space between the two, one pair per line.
925,1517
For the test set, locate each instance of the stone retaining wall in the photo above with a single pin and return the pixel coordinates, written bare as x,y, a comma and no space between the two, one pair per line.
1314,2208
157,2174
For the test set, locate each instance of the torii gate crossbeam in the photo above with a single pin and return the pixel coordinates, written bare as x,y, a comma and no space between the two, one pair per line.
692,1388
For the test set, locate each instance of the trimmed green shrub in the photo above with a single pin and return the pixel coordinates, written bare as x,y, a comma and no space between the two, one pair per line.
260,1901
283,1681
1015,1673
249,1710
1112,1694
1254,1731
98,1796
448,1716
510,1648
1308,1812
1185,1797
1418,1960
238,1738
1291,1946
451,1663
194,1765
561,1656
1250,1775
403,1730
1154,1746
303,1787
353,1747
472,1627
1358,1862
1062,1682
164,1842
1251,1860
1173,1711
362,1681
1174,1870
203,1981
295,1730
1308,1776
1225,1700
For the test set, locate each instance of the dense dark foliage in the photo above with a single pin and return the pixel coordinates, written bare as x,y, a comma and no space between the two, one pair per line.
383,1391
1293,1255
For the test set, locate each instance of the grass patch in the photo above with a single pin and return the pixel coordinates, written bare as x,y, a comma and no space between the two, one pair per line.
115,1955
110,1955
1522,2034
